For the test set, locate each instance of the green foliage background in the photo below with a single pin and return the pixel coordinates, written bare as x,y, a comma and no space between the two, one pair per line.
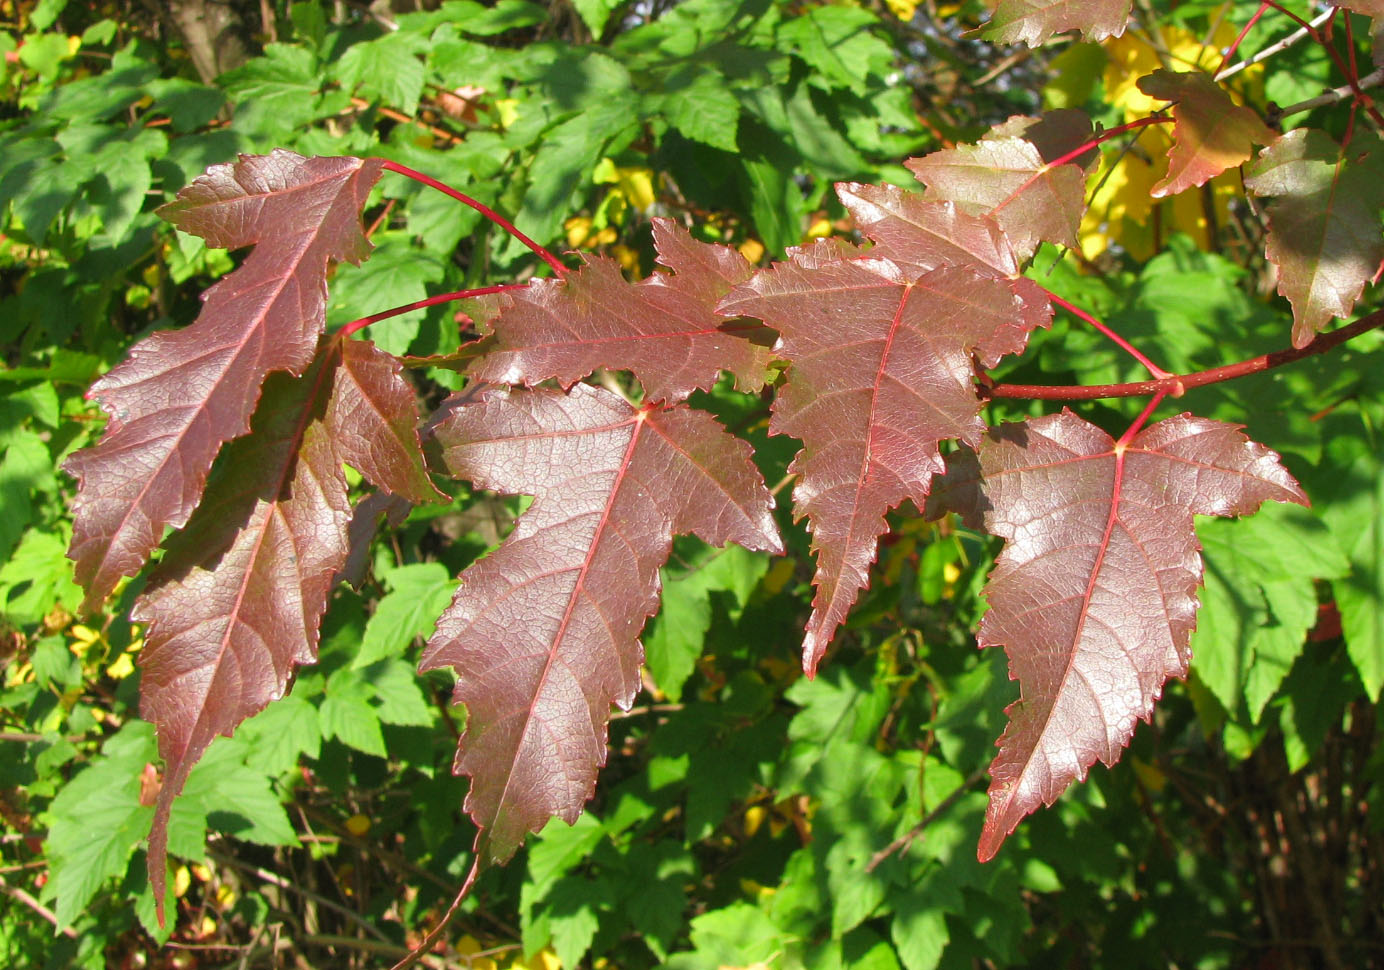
748,817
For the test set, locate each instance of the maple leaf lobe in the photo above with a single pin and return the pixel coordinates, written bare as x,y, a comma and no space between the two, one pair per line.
880,372
664,329
181,394
1093,596
1210,132
543,632
236,602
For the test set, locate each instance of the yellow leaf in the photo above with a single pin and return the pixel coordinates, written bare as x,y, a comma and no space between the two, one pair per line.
508,109
752,250
578,229
820,228
358,825
182,881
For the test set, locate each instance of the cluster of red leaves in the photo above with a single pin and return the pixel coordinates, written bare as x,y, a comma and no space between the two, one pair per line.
1093,596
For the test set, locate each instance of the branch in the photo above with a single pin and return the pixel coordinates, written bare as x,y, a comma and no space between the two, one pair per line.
1177,385
907,839
364,322
1334,95
429,941
19,895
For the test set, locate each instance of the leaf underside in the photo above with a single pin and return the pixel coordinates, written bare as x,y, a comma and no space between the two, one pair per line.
237,600
543,633
1032,22
1094,595
182,394
881,345
1210,132
664,329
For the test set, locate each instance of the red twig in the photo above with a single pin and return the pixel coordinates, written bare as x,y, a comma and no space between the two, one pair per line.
1239,38
480,207
364,322
1176,385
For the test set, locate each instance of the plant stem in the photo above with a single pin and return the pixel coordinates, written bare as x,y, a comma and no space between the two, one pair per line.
429,941
1158,372
480,207
364,322
1105,136
1176,385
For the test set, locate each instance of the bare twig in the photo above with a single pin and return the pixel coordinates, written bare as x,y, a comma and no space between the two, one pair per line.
274,879
1334,95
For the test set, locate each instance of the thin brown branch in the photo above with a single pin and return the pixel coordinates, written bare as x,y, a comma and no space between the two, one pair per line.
907,839
429,941
20,896
1177,385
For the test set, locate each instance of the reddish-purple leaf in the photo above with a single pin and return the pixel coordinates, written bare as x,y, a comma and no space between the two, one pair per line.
1008,175
1094,595
1033,21
882,371
922,234
1324,225
236,602
1211,133
184,393
543,633
664,328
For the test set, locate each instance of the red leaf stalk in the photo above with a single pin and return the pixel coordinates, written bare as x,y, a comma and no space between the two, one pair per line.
364,322
480,207
1176,385
1158,372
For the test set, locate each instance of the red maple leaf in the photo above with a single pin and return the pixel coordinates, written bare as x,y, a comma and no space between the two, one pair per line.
664,329
881,347
236,602
543,632
1211,133
184,393
1009,175
1093,596
1033,21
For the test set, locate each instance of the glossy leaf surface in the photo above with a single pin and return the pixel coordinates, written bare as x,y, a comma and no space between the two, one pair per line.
1094,596
1033,21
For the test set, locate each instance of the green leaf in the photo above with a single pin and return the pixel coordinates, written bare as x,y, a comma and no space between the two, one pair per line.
276,93
399,699
704,110
387,69
737,936
96,821
37,577
595,13
279,734
417,594
347,714
674,639
839,46
1258,601
234,798
919,932
397,273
